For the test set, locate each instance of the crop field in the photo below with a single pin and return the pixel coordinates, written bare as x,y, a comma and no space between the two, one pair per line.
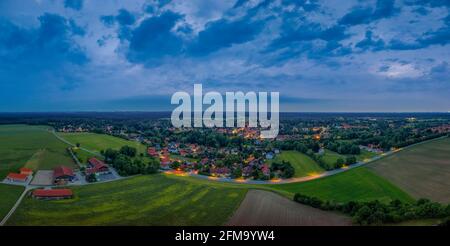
359,184
30,146
8,197
97,142
143,200
264,208
302,163
422,170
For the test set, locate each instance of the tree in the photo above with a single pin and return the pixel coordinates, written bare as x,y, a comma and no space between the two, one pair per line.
91,178
152,167
237,173
128,151
351,160
110,154
339,163
78,145
284,169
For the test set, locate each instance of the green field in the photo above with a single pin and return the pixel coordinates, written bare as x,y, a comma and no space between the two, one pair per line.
8,197
31,146
359,184
302,163
330,157
142,200
364,155
97,142
422,170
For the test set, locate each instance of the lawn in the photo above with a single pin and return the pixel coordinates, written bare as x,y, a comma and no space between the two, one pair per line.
31,146
422,170
8,197
143,200
359,184
302,163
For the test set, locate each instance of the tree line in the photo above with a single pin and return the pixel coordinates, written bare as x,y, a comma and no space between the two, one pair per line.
377,213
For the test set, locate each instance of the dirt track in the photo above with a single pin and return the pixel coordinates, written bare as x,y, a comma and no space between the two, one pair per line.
264,208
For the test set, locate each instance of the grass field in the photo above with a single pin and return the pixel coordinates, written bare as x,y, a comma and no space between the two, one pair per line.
97,142
8,197
364,155
302,163
142,200
359,184
30,146
422,170
330,157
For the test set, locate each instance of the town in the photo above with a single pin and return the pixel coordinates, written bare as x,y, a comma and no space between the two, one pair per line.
240,153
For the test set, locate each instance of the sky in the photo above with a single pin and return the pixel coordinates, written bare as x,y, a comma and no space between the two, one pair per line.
321,56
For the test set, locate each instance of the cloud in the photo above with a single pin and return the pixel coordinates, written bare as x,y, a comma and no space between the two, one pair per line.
52,40
223,34
153,39
439,37
125,18
369,43
365,15
73,4
429,3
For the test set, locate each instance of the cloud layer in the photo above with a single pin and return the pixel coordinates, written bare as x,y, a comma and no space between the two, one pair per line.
380,55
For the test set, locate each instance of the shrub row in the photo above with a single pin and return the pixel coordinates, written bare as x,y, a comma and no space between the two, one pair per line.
376,212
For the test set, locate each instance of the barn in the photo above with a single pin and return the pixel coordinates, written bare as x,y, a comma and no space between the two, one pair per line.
54,194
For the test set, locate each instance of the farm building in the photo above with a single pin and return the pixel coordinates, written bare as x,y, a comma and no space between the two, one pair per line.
17,177
63,174
97,166
55,194
26,171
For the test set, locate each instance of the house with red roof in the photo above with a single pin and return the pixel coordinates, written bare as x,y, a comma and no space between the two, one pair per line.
26,171
96,166
165,162
152,152
53,194
63,174
17,177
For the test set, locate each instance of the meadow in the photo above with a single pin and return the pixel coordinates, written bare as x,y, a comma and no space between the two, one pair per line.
30,146
97,142
359,184
143,200
330,157
422,170
302,163
8,197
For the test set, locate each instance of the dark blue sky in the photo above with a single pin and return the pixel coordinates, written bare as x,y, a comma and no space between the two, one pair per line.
73,55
